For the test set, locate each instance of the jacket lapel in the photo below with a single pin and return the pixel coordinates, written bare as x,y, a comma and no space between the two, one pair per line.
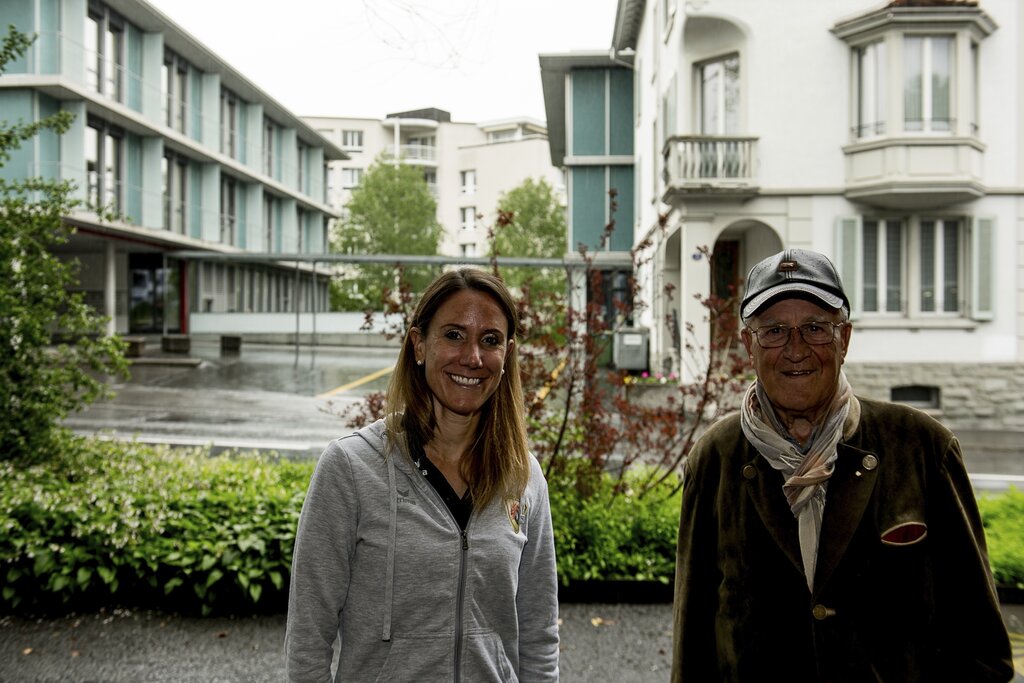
764,485
849,490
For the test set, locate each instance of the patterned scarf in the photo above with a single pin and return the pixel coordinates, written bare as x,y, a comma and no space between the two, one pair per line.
806,471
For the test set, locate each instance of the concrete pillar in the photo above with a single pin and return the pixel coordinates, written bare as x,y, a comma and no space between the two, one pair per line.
110,287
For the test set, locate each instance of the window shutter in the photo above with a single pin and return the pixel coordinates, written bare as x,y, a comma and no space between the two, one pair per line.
848,258
983,267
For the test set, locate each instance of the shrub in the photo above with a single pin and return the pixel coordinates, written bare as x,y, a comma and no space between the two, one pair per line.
108,524
113,524
610,531
1003,517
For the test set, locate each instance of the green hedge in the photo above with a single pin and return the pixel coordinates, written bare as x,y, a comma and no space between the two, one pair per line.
110,524
106,523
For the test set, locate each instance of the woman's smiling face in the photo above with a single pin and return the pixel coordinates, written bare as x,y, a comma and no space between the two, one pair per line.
463,351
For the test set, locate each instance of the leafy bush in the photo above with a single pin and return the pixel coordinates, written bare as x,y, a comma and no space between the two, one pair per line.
108,524
105,523
1003,517
611,531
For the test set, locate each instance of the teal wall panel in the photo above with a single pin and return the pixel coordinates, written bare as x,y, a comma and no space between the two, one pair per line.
589,206
588,112
20,13
17,106
133,68
620,124
195,202
621,178
48,141
49,36
195,109
133,179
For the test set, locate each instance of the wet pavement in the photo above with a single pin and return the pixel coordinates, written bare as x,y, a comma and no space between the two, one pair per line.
265,397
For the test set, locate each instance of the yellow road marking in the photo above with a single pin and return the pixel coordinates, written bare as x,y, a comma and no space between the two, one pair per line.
359,382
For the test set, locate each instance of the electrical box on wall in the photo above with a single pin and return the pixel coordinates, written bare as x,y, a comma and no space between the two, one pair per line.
629,349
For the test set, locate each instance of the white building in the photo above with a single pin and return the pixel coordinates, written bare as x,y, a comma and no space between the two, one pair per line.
468,166
886,135
190,154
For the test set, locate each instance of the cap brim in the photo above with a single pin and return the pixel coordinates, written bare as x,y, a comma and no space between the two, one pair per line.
829,299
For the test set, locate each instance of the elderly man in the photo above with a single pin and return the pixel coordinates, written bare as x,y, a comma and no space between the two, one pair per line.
825,537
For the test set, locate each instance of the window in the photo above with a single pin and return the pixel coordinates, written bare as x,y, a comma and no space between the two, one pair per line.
468,217
351,177
174,82
104,47
468,182
175,173
269,207
883,258
917,395
940,265
303,172
269,147
228,213
720,96
468,249
927,79
918,266
502,135
104,161
303,220
352,139
228,123
871,64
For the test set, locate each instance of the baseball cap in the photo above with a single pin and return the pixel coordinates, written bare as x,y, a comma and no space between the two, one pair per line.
796,271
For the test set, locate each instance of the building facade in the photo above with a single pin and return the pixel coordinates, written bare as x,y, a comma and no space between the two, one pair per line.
467,166
886,135
187,154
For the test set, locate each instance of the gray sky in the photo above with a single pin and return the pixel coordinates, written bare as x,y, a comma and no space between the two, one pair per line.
366,58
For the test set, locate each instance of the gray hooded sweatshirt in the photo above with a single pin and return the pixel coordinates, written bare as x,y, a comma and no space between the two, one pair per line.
380,561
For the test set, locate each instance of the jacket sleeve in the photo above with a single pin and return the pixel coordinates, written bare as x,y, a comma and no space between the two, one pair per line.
694,653
976,647
537,595
324,544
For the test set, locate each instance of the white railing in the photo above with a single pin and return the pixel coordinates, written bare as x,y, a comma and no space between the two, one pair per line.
709,158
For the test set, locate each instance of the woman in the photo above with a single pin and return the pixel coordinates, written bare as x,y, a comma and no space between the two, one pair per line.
425,539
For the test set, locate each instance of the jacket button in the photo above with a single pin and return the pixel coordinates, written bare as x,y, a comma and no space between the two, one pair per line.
869,462
749,471
821,612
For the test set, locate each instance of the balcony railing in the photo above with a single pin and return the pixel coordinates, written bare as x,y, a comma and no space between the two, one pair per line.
414,152
710,165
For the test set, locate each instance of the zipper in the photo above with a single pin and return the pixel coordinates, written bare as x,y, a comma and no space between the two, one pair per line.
460,598
461,592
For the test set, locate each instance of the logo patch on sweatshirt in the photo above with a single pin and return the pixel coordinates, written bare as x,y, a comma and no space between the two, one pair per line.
516,514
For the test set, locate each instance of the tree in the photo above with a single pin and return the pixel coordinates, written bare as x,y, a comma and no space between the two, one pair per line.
40,383
391,212
532,222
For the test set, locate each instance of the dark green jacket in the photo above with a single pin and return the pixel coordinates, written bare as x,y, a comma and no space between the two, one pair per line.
903,590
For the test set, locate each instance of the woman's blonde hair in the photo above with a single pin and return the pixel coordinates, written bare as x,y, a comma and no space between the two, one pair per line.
499,461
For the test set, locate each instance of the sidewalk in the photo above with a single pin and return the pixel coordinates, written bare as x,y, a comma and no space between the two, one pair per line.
621,643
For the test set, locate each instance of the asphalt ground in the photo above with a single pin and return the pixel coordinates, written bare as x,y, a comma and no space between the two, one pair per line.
599,642
285,399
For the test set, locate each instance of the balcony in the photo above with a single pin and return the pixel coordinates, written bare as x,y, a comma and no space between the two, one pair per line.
414,154
703,167
914,172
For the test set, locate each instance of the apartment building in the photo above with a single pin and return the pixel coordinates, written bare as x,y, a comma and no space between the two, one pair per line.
887,135
189,154
467,166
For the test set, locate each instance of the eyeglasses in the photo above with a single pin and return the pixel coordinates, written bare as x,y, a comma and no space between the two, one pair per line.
815,333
